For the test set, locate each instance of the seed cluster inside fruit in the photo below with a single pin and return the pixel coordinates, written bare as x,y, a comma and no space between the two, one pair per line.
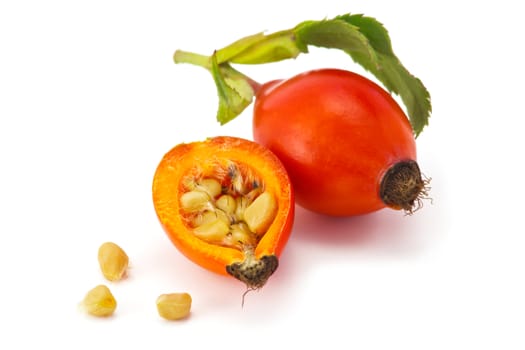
227,204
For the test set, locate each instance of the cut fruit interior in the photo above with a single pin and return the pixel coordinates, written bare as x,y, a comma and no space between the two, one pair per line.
227,204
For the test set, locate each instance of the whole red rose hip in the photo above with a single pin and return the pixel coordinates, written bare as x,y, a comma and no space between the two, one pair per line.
348,147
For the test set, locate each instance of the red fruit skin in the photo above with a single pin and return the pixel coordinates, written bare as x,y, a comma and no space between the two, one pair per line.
337,133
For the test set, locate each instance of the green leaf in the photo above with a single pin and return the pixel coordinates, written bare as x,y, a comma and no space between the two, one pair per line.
391,72
368,43
373,30
234,90
334,34
413,93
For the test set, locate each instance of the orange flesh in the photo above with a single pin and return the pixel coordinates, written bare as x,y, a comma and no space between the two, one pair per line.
211,158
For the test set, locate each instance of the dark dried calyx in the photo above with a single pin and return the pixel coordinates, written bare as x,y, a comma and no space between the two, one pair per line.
254,272
403,187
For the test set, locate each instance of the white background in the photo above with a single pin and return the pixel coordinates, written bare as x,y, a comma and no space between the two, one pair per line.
90,100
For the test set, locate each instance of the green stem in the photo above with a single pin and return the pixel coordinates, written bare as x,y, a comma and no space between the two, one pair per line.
196,59
363,38
256,86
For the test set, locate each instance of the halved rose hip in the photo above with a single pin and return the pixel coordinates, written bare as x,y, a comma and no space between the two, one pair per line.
227,204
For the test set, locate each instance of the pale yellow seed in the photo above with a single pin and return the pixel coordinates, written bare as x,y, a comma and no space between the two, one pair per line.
194,201
209,216
174,306
214,231
99,302
260,213
221,215
240,236
204,218
113,261
211,186
226,203
241,204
